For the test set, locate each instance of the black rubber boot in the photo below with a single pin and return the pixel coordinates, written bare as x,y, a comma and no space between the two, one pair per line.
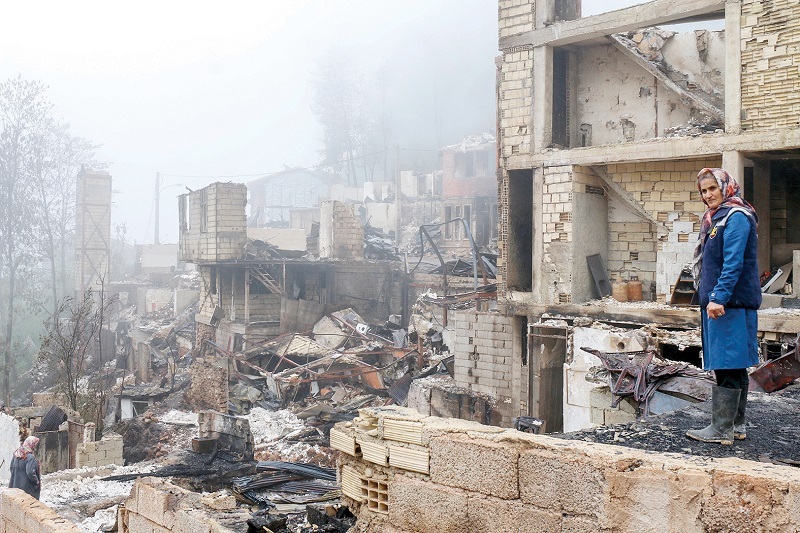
724,407
739,425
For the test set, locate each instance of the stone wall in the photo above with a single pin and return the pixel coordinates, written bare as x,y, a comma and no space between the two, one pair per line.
22,513
770,55
421,474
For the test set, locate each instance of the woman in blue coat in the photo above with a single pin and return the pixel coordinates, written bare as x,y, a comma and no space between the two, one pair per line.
730,295
25,471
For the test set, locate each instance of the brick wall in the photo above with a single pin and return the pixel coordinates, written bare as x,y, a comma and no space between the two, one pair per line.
215,223
479,478
515,16
22,513
515,99
341,235
107,451
770,56
667,191
483,355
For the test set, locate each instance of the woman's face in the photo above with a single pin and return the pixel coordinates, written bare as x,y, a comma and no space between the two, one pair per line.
711,192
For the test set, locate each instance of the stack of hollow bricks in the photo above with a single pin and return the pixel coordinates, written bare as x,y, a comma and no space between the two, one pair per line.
485,340
22,513
770,45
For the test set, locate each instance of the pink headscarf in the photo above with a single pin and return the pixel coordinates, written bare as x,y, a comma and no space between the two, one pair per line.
731,198
27,447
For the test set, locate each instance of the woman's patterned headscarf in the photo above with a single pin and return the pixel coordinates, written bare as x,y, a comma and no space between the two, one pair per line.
731,198
27,447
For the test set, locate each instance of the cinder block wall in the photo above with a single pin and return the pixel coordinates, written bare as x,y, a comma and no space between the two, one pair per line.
483,357
107,451
22,513
420,474
157,506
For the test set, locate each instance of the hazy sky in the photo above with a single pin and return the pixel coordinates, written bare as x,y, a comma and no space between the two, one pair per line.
222,89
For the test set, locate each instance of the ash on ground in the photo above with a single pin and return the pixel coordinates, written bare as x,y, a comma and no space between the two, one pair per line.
773,431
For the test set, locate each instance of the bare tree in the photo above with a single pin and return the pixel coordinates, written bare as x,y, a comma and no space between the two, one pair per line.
24,112
72,348
57,159
343,106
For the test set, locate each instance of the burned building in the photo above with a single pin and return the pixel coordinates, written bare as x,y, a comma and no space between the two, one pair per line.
251,290
604,122
469,191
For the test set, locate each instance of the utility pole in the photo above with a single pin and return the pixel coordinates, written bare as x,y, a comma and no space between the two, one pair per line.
158,194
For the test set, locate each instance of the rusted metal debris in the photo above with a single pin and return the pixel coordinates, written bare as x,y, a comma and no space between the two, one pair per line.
776,374
635,375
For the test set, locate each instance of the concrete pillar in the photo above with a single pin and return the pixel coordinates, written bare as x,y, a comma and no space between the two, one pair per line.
761,201
542,111
734,162
796,269
733,67
545,12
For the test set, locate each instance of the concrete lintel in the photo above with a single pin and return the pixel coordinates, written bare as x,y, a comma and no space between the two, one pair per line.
751,142
686,317
620,44
617,192
621,20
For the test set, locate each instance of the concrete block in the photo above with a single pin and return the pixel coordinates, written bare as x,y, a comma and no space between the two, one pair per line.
417,506
157,502
191,521
656,492
498,515
139,524
563,482
477,465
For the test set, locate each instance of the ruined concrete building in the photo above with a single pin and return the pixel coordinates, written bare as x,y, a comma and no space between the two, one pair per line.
604,122
252,291
469,192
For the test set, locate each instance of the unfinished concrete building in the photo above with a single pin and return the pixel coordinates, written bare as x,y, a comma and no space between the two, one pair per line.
604,122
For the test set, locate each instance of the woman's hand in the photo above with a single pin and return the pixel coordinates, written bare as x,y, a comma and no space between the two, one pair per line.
714,310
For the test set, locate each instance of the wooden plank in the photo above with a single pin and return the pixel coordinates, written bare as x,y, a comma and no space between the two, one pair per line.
621,20
410,459
343,442
402,431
